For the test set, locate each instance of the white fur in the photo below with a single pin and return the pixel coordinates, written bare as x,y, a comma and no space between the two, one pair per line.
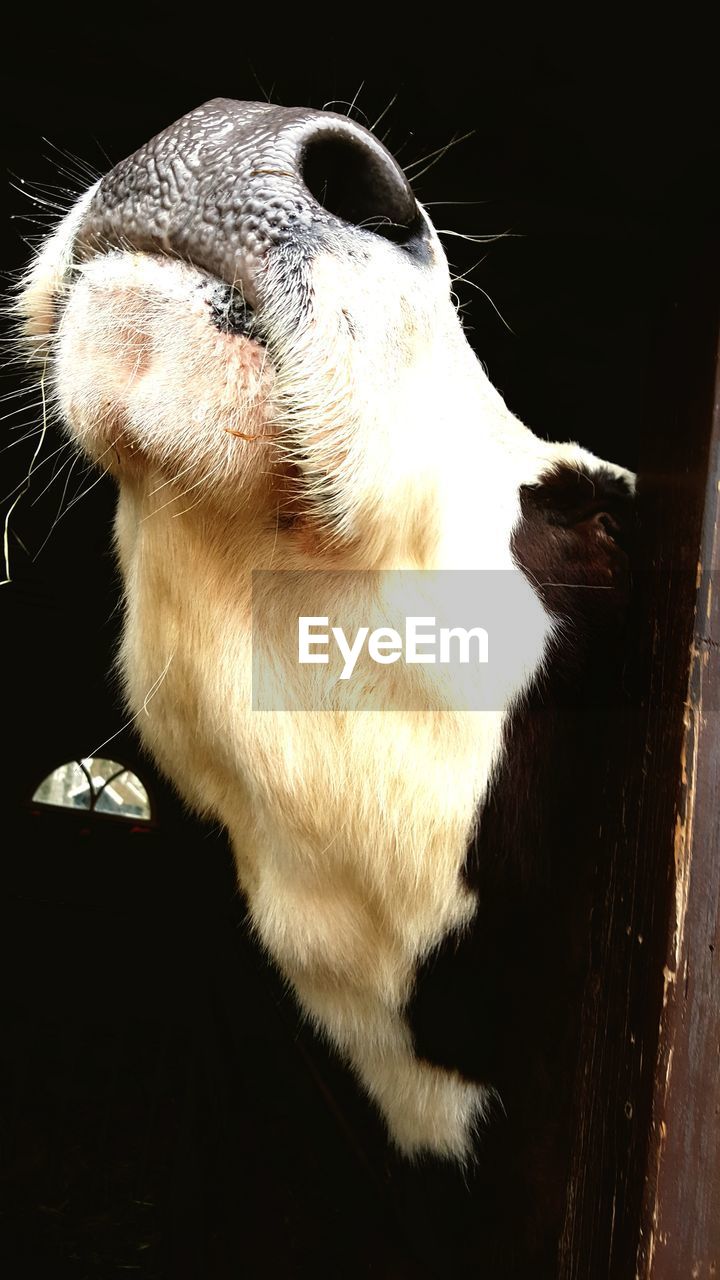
382,435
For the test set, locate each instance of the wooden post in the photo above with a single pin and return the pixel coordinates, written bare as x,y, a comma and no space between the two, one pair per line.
644,1184
681,1206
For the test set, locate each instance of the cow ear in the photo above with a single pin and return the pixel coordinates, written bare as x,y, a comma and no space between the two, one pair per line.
574,542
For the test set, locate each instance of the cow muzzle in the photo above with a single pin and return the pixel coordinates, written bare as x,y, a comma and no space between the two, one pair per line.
231,181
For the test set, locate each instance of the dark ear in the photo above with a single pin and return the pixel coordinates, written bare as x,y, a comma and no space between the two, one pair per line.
573,543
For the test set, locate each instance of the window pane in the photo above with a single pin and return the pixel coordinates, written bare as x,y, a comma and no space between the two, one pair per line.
101,769
65,786
124,795
105,786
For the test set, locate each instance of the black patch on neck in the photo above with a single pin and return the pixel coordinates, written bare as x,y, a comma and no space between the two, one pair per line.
500,1002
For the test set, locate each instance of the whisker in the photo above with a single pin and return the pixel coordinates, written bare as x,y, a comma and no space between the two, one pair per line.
185,492
36,469
204,479
157,489
23,408
435,156
37,199
13,395
430,204
57,471
6,543
351,106
354,101
59,513
466,274
148,698
78,496
260,85
391,103
492,304
476,239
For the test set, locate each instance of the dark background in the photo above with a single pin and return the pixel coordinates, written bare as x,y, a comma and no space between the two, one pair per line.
164,1110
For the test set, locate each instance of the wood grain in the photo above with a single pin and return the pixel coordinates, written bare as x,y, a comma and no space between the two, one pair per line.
643,1186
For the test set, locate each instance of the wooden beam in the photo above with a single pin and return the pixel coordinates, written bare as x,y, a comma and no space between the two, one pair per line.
681,1208
643,1185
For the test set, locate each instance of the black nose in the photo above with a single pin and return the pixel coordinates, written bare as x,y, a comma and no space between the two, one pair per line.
232,180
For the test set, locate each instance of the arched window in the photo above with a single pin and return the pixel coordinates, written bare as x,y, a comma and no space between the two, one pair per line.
98,786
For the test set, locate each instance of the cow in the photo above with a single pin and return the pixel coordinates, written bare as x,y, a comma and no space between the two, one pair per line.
249,323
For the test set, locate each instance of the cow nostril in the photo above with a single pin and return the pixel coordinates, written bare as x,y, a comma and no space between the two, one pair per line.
364,187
